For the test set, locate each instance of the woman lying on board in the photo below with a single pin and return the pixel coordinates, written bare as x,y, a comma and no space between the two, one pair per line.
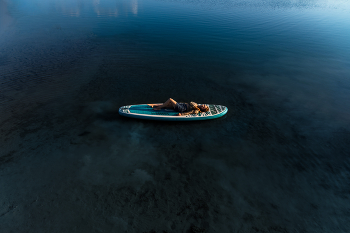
182,108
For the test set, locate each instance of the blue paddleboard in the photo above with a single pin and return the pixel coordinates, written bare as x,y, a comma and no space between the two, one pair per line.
143,111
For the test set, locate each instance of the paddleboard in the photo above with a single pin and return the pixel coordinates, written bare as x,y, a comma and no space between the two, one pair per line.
143,111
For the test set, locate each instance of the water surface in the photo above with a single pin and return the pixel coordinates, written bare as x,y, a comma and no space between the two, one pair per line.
277,162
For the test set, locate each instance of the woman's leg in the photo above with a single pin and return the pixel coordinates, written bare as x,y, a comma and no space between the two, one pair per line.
154,105
170,103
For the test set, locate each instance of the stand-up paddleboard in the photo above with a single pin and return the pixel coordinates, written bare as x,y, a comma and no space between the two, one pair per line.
143,111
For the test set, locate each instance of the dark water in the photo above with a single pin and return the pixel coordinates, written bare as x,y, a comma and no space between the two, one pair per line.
277,162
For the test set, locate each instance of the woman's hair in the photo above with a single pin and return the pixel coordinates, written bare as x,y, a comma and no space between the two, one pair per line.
203,109
194,106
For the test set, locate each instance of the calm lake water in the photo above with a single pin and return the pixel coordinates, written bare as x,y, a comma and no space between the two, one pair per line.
277,162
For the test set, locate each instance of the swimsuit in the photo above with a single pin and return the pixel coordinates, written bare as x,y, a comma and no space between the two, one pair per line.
180,107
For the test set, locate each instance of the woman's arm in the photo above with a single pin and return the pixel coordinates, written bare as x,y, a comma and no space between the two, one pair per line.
187,113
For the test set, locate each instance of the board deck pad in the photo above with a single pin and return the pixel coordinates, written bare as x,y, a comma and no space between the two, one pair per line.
143,111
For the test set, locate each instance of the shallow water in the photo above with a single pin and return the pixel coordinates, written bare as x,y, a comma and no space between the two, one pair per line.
277,162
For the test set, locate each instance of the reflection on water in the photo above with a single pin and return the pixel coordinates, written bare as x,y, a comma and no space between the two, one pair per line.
77,7
5,17
112,7
277,162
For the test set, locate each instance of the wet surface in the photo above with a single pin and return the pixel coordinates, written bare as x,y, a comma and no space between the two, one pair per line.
277,162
